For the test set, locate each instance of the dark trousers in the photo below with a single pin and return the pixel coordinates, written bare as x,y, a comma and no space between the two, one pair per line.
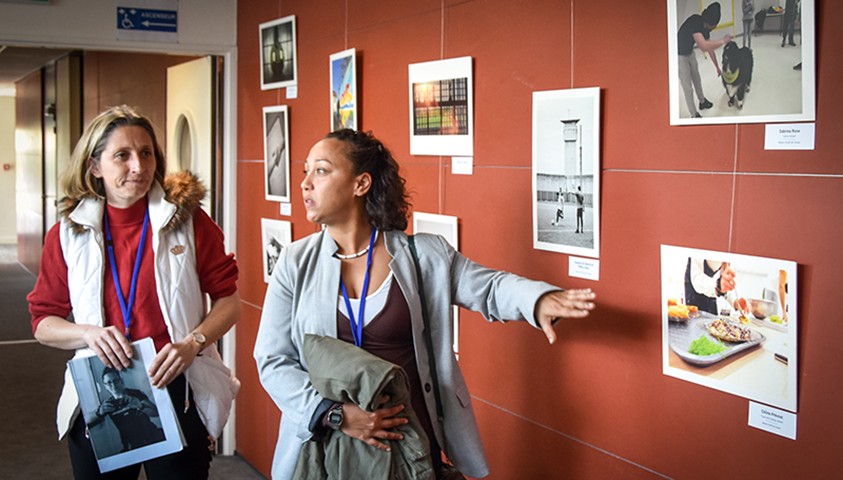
192,463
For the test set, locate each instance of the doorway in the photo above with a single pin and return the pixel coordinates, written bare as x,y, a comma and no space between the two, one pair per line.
191,123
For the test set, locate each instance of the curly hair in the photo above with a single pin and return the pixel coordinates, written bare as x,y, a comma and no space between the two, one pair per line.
387,202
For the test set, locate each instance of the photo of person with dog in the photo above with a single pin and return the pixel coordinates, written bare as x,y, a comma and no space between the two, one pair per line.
753,79
696,31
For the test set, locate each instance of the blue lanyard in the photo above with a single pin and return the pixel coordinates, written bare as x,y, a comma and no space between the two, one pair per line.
126,309
357,326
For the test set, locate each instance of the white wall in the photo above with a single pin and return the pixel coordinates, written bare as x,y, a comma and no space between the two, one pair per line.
204,26
7,177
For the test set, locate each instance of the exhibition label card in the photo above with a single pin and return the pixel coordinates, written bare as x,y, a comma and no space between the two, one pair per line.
462,165
773,420
587,268
789,136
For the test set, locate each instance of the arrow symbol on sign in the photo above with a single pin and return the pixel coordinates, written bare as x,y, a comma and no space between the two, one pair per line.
147,23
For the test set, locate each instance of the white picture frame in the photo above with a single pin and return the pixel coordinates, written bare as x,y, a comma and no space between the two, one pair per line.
276,153
442,107
764,367
779,91
278,53
276,235
446,226
343,69
566,171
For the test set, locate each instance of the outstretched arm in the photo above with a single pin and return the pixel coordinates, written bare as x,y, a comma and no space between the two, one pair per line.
710,47
552,306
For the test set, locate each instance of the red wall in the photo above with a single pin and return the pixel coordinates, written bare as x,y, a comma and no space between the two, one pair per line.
596,405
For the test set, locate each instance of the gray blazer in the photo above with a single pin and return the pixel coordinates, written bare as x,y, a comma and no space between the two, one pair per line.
302,298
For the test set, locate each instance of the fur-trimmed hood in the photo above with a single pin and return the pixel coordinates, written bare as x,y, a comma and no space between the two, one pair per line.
182,189
186,191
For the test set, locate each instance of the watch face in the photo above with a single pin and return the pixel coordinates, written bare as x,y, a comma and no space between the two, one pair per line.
200,338
335,418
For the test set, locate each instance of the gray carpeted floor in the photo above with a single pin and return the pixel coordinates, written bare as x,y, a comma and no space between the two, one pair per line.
31,376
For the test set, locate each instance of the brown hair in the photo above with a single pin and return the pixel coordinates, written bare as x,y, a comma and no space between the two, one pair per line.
387,202
78,181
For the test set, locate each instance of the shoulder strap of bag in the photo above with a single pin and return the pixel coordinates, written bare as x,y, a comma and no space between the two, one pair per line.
426,319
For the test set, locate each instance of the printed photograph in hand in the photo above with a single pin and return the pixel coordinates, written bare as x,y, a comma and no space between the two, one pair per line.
128,420
729,322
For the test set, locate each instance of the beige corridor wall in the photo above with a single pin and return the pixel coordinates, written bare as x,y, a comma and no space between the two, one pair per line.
596,405
7,177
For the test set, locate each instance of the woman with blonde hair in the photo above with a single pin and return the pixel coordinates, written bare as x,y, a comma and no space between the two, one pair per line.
133,256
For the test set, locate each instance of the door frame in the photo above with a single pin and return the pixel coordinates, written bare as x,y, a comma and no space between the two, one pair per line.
228,194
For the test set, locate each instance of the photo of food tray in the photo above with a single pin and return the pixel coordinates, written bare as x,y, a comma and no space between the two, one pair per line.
729,322
679,312
694,343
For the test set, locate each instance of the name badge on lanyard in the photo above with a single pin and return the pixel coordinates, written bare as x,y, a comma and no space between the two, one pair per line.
357,326
126,307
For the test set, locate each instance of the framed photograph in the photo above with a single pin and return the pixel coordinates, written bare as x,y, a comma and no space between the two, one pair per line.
446,226
276,154
128,420
344,90
275,236
729,322
278,53
442,108
765,72
566,171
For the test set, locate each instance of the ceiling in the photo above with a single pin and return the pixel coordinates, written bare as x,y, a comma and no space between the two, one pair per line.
18,62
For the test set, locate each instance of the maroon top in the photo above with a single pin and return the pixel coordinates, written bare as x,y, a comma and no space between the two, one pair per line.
389,335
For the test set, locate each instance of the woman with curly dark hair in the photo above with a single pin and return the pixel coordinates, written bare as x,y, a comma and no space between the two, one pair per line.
387,201
357,280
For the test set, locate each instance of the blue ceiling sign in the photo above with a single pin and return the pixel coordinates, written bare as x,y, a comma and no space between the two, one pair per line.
146,19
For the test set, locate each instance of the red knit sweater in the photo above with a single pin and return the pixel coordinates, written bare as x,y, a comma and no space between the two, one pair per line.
217,274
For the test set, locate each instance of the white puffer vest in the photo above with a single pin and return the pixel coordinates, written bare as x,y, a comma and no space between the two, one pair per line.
179,296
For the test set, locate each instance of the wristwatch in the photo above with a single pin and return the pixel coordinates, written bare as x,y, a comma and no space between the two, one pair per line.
335,417
199,338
